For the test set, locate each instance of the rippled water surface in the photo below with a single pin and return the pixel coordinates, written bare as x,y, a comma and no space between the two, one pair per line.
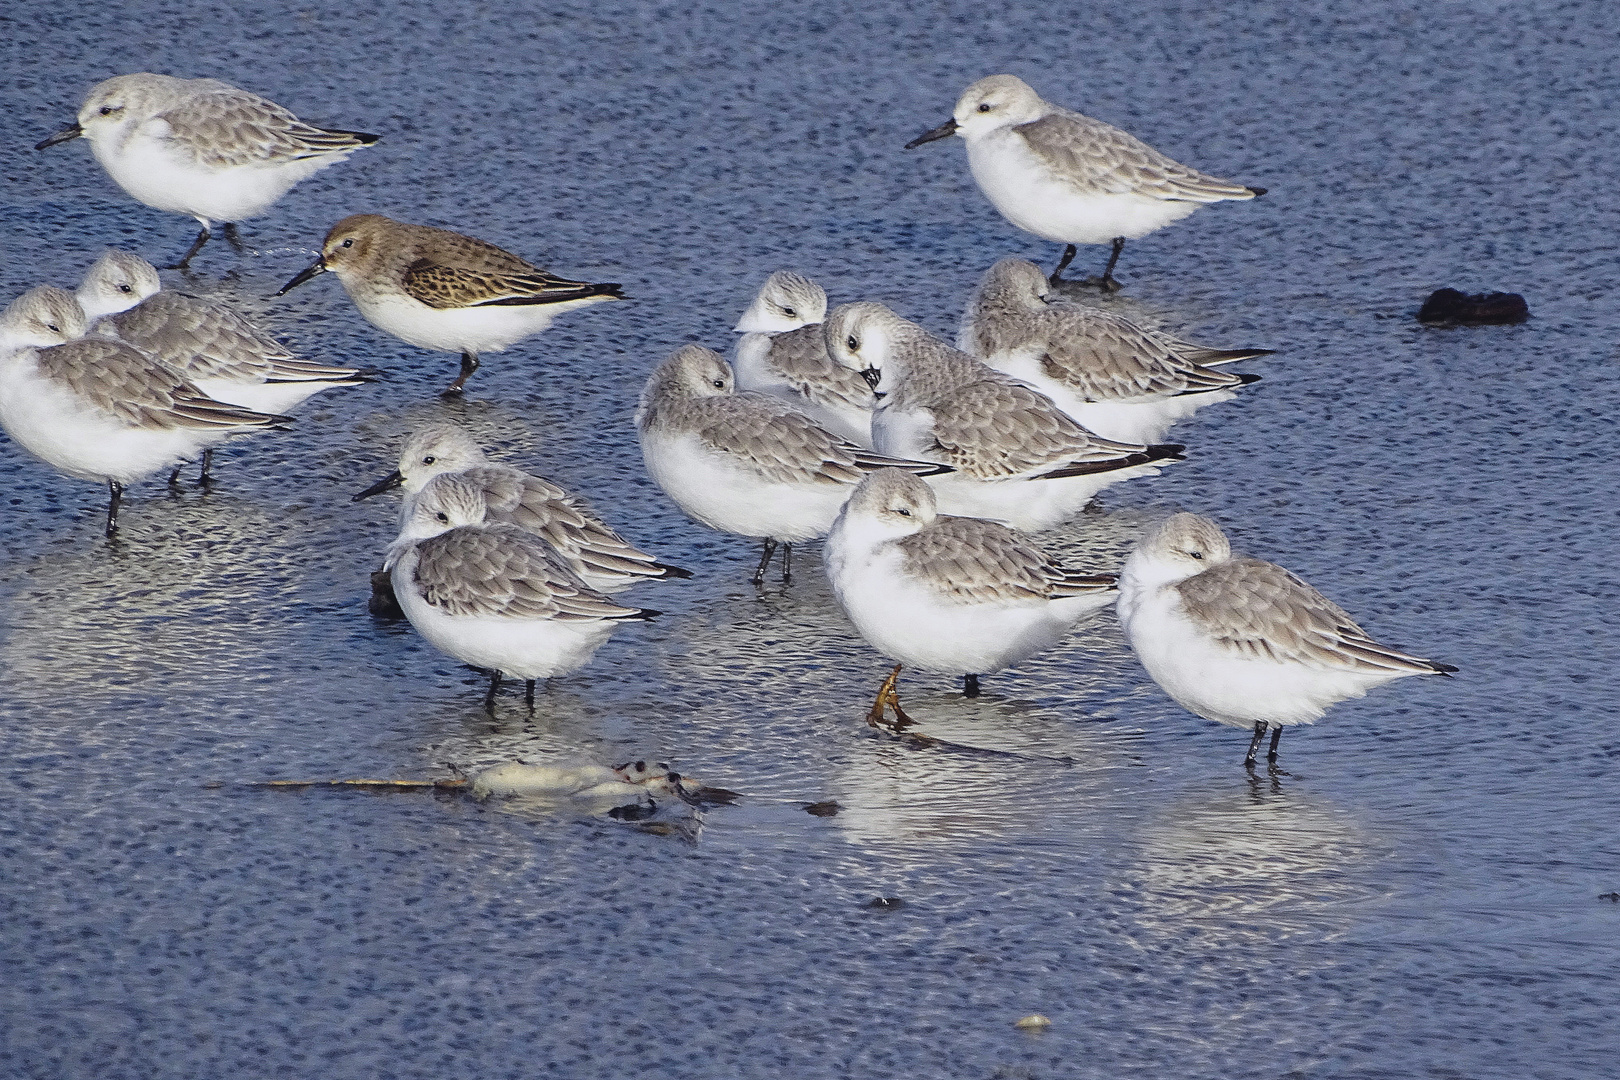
1419,894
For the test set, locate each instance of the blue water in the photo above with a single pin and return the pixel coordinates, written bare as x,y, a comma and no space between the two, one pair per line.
1418,895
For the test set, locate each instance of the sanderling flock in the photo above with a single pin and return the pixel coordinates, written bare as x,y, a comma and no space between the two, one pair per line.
923,464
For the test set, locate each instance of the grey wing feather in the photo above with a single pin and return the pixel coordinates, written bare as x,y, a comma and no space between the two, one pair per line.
127,384
1096,157
1264,612
969,560
205,340
1104,357
562,519
800,356
225,127
500,570
784,445
995,430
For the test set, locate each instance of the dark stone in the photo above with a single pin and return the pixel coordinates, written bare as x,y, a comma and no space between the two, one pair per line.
886,903
1482,309
823,809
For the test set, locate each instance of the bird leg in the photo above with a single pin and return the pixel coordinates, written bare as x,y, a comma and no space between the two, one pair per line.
1254,743
115,491
970,686
196,246
765,561
235,239
208,463
1276,737
1068,257
1107,283
174,478
787,560
528,693
469,364
494,685
888,696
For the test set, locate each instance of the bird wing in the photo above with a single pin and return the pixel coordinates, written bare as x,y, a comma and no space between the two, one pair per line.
993,430
970,560
501,570
125,383
562,519
1264,612
205,340
225,127
441,285
1094,157
1105,357
801,358
785,446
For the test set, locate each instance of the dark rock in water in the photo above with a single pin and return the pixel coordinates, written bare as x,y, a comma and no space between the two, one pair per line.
1481,309
383,604
829,808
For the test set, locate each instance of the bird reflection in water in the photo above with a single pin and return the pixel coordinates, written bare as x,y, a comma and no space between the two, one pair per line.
1253,863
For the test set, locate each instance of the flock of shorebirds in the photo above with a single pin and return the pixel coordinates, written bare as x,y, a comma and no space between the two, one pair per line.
925,465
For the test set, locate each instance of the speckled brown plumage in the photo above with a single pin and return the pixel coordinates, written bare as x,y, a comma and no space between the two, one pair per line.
441,284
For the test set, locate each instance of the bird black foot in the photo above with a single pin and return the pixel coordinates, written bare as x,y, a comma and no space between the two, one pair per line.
115,493
469,364
196,246
1254,743
769,549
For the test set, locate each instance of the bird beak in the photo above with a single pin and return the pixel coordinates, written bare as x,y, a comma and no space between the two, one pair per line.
71,132
387,483
944,131
872,376
314,269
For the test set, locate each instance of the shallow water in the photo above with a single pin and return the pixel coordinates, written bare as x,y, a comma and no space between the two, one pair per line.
1417,895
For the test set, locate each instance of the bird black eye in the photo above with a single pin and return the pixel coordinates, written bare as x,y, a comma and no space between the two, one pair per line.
789,311
430,459
718,384
442,516
106,110
349,242
902,511
984,106
125,288
53,327
853,342
1199,555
